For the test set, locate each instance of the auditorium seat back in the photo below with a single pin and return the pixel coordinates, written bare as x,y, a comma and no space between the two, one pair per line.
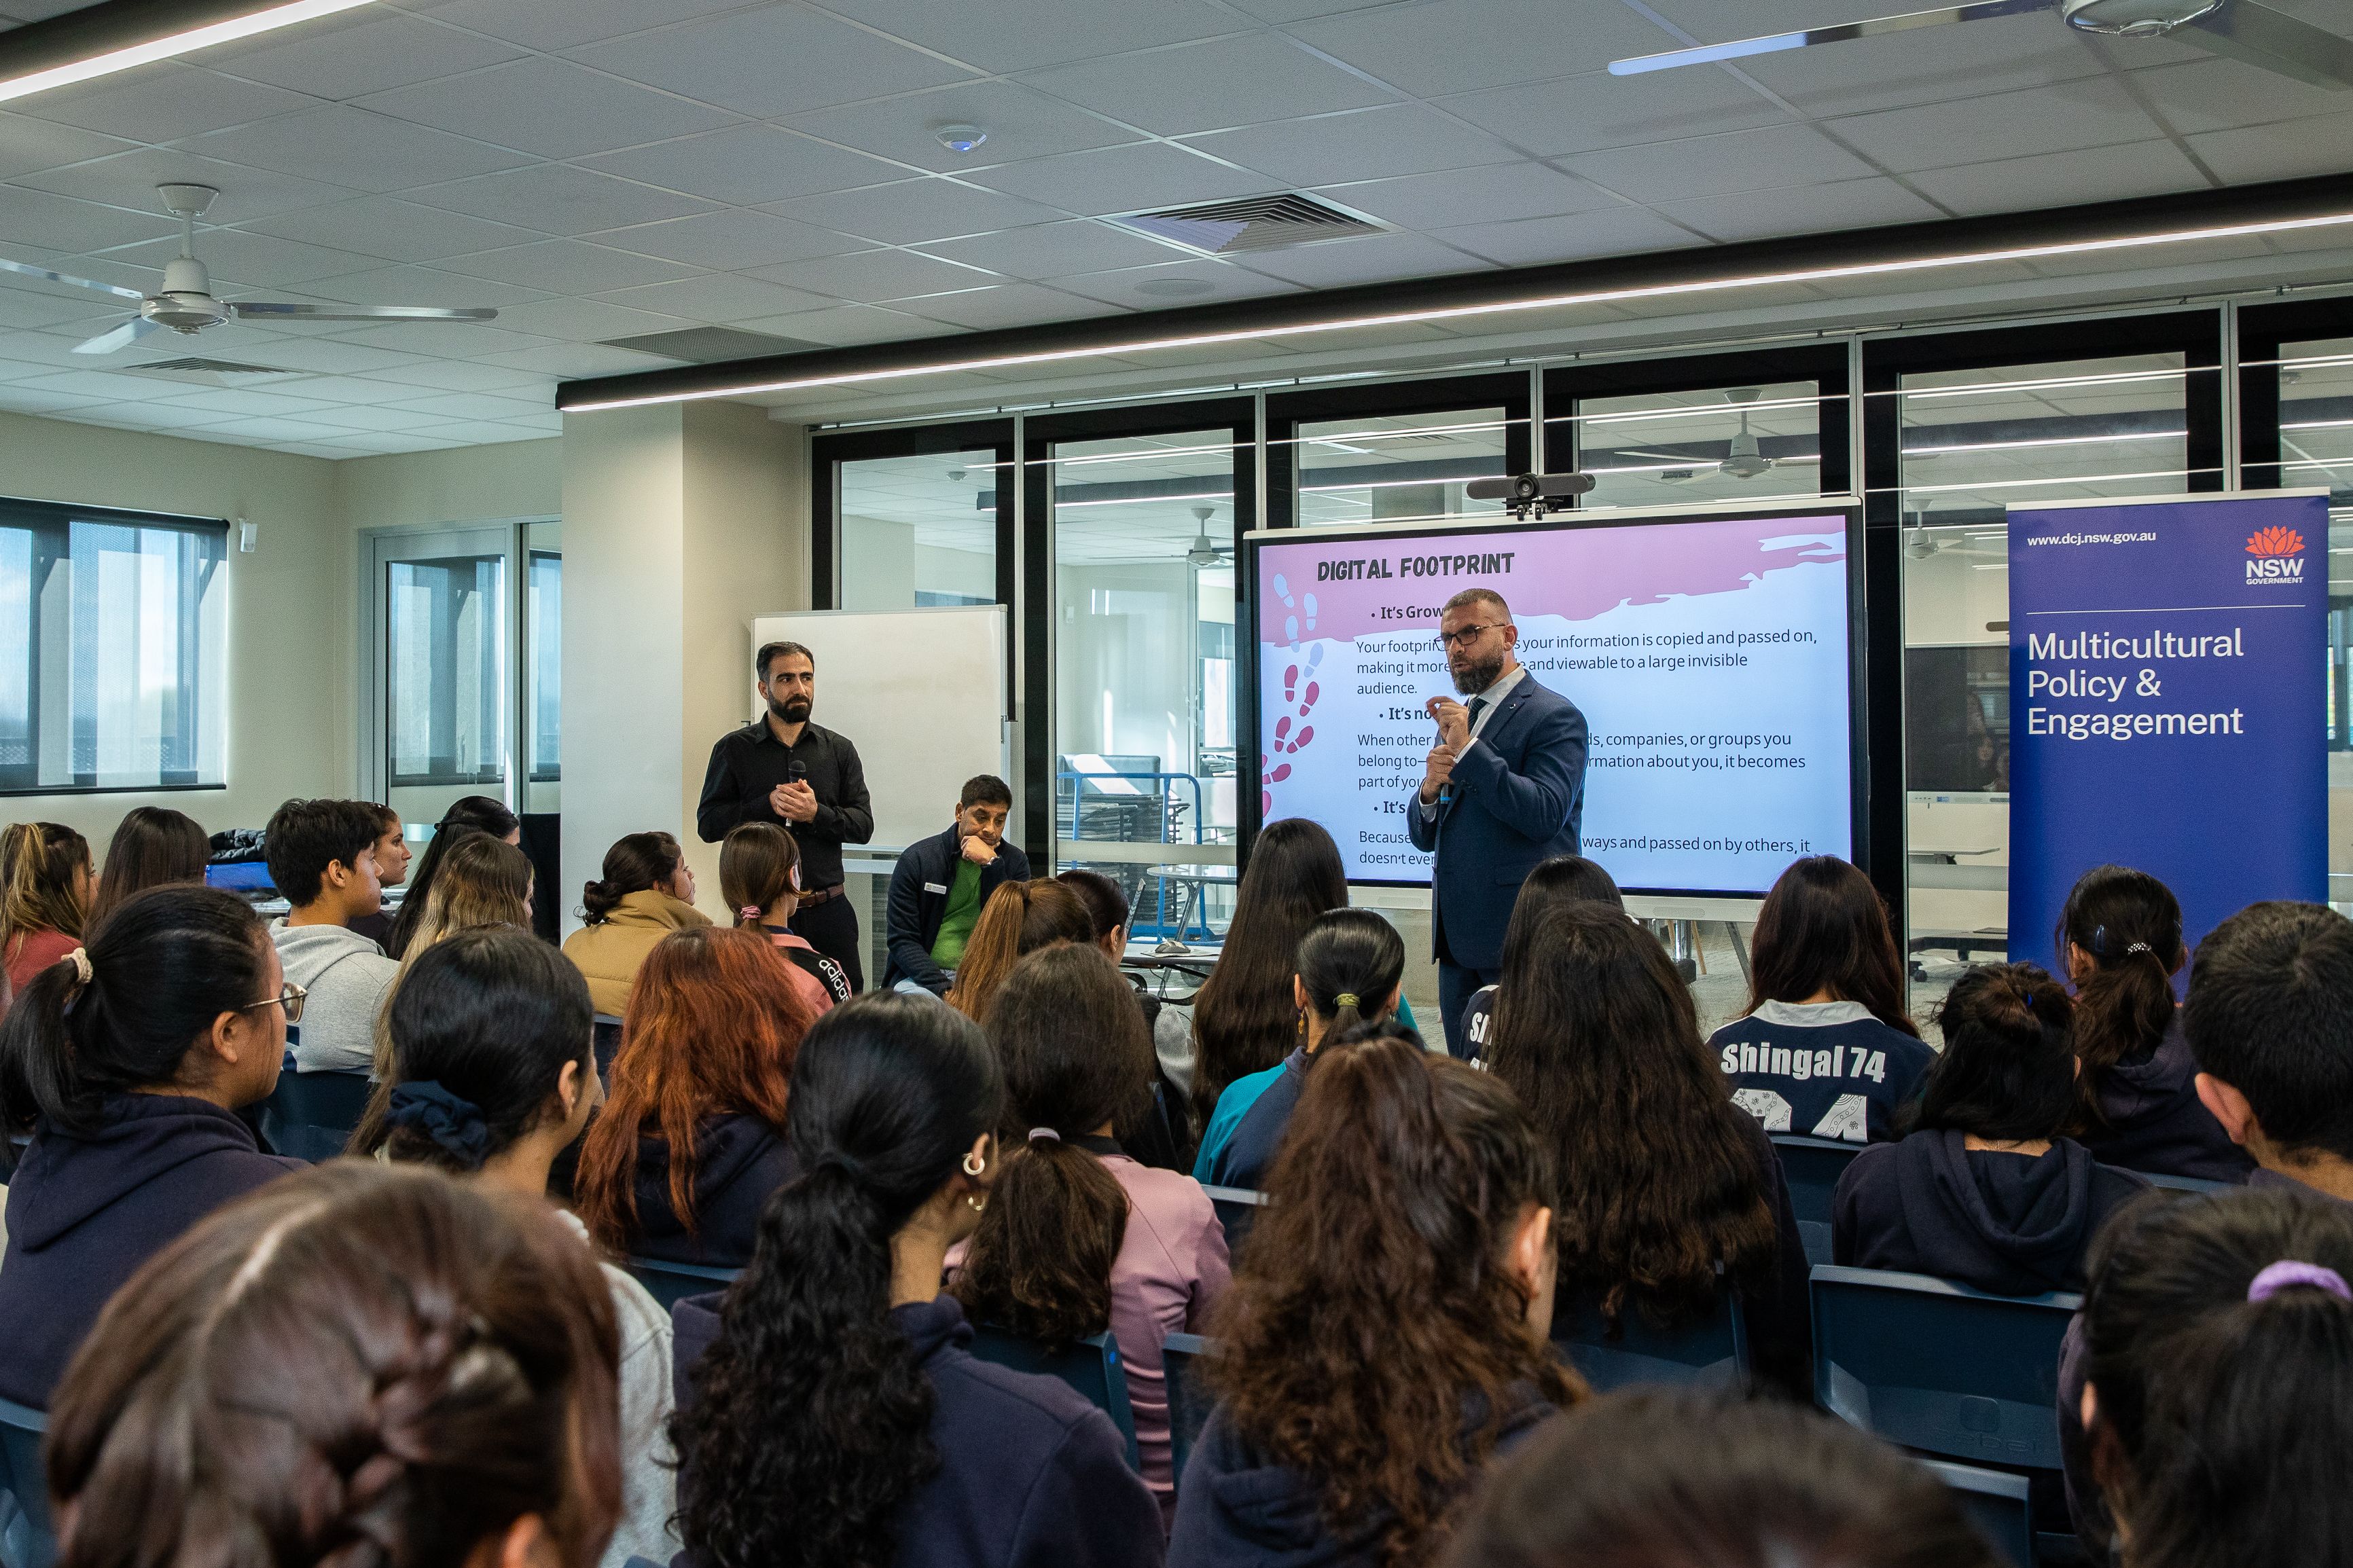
311,1115
1940,1368
1093,1366
1188,1401
670,1283
1812,1167
1708,1352
27,1540
1997,1503
1236,1210
606,1032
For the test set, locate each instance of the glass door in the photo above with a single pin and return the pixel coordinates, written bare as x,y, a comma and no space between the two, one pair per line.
446,695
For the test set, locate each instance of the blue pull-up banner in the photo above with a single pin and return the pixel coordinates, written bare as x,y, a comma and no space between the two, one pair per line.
2167,702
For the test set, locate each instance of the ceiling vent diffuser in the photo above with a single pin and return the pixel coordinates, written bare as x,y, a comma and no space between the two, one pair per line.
212,372
1254,223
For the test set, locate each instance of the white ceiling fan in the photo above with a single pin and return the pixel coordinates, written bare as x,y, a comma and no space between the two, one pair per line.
1742,459
185,302
1205,551
2243,30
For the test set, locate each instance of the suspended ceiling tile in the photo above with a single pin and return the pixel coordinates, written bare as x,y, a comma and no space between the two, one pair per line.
27,143
874,276
1497,193
129,180
2062,179
572,361
557,198
71,228
1020,122
572,22
2314,145
732,240
331,356
587,321
1122,179
549,106
470,405
1132,286
1605,231
1004,305
459,376
226,401
1896,71
36,305
1766,158
838,326
1374,258
353,147
2096,112
1580,113
1369,144
749,164
165,101
1212,86
1457,45
240,263
18,399
1054,249
723,297
272,429
368,443
1023,34
567,266
914,211
453,340
359,52
1763,214
769,60
392,230
2217,94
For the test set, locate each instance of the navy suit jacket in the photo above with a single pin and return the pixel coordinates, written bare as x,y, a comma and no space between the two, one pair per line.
1518,799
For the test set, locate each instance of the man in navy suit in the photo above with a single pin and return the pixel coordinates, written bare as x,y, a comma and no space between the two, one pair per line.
1503,789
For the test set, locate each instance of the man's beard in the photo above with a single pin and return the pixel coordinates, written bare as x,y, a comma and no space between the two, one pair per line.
1472,678
791,711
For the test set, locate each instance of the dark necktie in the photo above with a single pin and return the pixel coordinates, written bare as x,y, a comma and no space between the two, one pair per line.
1477,704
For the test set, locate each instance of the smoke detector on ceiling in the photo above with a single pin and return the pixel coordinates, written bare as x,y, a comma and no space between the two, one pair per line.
960,138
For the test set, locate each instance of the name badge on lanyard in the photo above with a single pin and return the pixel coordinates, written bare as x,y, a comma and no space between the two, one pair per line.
936,888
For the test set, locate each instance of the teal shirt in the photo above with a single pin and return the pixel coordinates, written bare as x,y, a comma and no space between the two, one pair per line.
1235,1102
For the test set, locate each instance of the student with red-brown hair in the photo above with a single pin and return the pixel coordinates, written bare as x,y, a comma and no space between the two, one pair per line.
691,1139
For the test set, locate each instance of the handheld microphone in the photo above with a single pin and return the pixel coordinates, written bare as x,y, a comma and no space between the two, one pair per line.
797,772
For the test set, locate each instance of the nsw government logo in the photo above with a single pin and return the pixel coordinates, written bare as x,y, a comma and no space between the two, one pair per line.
2275,554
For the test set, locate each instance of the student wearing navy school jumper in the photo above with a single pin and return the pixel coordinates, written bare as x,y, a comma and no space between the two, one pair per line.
2120,936
128,1061
1983,1190
829,1409
1350,964
1826,1048
1667,1190
1561,880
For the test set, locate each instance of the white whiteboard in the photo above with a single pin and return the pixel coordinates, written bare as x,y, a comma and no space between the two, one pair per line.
920,694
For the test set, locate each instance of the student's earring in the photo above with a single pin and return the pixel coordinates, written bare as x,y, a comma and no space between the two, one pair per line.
974,1166
976,1202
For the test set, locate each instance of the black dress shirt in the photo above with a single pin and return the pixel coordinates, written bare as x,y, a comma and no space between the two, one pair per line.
747,763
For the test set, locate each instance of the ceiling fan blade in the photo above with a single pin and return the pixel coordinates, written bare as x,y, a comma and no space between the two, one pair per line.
285,312
121,337
29,270
2274,40
1774,43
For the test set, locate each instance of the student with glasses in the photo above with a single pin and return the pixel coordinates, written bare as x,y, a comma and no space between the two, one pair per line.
128,1061
1503,790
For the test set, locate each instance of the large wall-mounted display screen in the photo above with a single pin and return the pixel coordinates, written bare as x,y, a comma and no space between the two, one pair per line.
1710,651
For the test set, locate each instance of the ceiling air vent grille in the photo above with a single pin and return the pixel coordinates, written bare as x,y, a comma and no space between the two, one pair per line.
211,371
1255,223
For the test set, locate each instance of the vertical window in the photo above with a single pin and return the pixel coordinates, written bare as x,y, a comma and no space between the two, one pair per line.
1146,682
112,650
1701,444
543,690
1397,467
918,530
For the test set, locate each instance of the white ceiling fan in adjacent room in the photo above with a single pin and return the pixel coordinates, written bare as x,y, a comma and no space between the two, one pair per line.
1205,551
185,302
2245,30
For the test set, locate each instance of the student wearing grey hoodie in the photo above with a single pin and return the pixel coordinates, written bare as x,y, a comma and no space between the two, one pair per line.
321,857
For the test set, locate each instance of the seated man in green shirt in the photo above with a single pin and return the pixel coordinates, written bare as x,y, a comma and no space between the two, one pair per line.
941,883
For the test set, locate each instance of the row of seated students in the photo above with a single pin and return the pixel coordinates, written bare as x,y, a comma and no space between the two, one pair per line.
1624,1034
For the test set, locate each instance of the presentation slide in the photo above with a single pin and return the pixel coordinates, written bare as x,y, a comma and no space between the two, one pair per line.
1709,654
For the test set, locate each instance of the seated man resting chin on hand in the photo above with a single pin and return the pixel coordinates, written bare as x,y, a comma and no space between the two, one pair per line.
940,884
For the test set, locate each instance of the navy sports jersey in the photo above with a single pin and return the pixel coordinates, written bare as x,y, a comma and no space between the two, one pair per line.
1827,1069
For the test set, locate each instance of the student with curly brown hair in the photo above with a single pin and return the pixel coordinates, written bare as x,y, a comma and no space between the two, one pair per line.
359,1365
1384,1337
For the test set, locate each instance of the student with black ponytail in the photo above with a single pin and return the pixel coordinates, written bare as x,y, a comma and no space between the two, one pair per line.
2211,1402
2120,935
1349,973
491,1075
1080,1237
830,1411
128,1061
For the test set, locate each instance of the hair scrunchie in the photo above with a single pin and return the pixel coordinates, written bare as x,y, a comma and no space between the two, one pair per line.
2288,1276
84,972
1347,999
1038,1132
453,1122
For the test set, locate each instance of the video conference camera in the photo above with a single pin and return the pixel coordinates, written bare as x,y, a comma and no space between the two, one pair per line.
1531,494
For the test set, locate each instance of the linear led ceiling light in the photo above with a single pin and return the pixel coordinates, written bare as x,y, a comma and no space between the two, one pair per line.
1827,273
100,40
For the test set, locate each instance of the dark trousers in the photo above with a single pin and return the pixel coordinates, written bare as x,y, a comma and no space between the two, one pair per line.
1455,986
831,928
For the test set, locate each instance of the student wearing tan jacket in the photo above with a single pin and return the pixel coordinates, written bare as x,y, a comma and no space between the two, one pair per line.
647,892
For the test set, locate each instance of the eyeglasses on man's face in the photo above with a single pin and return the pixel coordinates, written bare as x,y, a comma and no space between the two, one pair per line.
1463,637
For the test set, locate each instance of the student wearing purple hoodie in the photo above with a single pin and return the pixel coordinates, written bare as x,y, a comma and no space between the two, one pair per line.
2120,936
830,1409
1983,1190
128,1061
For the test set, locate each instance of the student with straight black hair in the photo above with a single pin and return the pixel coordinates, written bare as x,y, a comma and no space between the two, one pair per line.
1079,1237
830,1412
322,860
129,1064
1555,883
1661,1477
1670,1193
1385,1336
1826,1048
2211,1407
468,813
152,846
1348,973
493,1074
2270,1021
2120,937
1983,1189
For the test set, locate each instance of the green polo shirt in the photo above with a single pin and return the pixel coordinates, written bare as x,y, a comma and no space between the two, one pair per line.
963,914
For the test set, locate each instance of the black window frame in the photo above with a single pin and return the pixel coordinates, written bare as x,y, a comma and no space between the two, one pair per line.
1287,411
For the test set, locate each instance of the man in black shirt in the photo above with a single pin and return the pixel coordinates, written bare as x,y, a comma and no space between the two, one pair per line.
808,779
